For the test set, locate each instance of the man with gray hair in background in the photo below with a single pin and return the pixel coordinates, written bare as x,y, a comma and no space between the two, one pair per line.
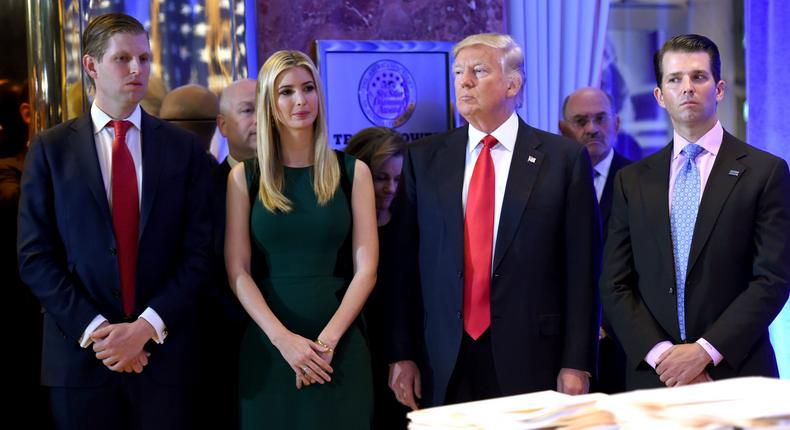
225,317
499,234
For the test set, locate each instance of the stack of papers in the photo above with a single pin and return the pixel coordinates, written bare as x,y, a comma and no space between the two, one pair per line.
734,403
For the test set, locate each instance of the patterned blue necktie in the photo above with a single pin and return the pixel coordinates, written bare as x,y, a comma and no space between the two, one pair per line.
685,203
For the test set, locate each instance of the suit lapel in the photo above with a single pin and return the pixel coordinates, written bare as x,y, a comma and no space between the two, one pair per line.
88,161
152,165
605,205
451,159
717,189
524,168
655,199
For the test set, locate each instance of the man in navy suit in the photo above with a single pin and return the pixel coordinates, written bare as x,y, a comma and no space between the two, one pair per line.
113,239
499,234
697,261
589,119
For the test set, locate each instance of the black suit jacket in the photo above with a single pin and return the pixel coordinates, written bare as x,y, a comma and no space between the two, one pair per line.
219,297
67,255
544,309
605,205
739,263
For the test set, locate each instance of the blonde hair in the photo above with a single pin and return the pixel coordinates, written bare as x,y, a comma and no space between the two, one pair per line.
512,55
326,172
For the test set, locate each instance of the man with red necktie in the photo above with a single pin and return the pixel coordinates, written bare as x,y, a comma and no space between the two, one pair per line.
113,239
499,240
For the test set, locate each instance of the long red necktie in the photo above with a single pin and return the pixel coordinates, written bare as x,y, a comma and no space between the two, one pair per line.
479,242
125,213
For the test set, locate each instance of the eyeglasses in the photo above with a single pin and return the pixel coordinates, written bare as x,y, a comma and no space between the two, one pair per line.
581,121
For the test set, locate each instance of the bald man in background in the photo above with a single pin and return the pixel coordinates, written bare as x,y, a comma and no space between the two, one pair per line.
589,118
192,107
222,314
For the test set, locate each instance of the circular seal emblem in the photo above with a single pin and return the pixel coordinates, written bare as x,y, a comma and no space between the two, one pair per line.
387,93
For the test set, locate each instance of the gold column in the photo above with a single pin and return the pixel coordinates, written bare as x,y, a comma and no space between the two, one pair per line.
46,71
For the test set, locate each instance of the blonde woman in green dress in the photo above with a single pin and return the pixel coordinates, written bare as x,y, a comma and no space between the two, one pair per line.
301,251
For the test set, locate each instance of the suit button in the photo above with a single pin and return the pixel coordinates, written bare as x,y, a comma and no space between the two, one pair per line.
459,315
496,275
113,251
116,293
460,274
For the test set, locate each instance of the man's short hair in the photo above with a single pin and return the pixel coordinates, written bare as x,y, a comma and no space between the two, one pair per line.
511,52
688,43
100,29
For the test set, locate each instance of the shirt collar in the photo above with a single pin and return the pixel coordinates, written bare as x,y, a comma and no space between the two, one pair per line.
232,162
710,141
505,134
603,166
101,119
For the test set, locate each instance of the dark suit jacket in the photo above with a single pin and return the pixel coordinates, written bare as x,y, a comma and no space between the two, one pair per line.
67,252
219,297
544,309
739,263
605,205
611,358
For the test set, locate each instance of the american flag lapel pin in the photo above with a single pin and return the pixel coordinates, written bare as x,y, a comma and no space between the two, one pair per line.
531,159
734,173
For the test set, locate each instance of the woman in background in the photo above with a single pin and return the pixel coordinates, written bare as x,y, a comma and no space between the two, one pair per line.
382,150
304,362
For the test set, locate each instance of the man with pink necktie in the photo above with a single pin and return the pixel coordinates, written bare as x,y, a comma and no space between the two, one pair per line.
499,245
697,258
114,239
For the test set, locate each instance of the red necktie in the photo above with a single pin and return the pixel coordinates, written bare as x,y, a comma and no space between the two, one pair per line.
479,242
125,213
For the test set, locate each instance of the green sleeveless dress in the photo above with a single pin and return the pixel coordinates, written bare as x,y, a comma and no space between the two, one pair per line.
300,249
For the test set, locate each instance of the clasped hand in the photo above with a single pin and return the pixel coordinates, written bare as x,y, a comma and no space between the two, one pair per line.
683,364
309,360
120,346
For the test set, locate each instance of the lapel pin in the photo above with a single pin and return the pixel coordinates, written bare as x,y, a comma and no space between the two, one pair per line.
531,159
734,173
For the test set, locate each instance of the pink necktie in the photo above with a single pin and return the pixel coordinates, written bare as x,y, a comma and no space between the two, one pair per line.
478,243
125,213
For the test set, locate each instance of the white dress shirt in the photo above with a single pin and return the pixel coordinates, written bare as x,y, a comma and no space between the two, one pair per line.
501,154
602,170
103,136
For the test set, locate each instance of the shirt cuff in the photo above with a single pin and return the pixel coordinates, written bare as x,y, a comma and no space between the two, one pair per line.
156,322
85,339
656,352
714,354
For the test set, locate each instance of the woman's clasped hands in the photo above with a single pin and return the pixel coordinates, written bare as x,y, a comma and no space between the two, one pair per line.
308,359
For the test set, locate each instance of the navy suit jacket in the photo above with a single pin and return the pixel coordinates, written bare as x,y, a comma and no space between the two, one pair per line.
67,256
738,270
544,306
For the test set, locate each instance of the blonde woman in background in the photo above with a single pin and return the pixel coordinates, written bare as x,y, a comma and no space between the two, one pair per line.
312,227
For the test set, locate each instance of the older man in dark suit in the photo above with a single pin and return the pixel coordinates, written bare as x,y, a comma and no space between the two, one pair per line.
589,119
499,232
114,239
219,401
697,261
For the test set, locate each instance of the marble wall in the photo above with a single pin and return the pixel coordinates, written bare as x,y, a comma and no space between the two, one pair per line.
296,24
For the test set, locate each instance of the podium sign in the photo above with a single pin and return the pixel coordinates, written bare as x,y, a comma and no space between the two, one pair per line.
405,85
